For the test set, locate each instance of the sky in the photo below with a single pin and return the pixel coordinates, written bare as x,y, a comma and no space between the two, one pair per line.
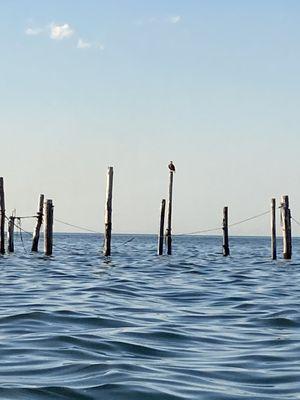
211,85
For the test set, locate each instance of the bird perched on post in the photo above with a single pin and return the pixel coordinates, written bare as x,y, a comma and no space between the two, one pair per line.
171,166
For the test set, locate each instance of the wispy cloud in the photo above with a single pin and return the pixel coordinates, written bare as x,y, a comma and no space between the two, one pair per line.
33,31
59,32
81,44
175,19
100,46
63,31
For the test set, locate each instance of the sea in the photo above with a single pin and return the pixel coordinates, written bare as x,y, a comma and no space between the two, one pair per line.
137,326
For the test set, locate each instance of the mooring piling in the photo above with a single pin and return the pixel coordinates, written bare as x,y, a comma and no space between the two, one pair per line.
273,230
169,223
48,233
2,217
226,250
10,234
160,249
108,212
286,228
36,233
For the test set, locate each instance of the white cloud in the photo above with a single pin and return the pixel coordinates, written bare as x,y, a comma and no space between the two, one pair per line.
81,44
58,32
33,31
175,19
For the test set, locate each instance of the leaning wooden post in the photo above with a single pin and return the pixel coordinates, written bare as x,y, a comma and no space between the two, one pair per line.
36,234
2,217
286,228
160,249
273,230
48,234
169,225
10,234
108,213
226,251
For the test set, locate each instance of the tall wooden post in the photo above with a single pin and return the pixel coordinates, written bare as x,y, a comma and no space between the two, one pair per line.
273,230
169,225
48,234
286,228
36,233
226,251
160,249
10,234
108,213
2,217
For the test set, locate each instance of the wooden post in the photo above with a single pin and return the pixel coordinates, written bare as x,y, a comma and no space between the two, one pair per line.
226,251
2,217
108,213
169,225
36,233
160,249
48,234
10,234
273,230
286,228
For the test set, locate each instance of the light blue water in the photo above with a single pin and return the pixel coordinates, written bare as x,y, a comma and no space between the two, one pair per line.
136,326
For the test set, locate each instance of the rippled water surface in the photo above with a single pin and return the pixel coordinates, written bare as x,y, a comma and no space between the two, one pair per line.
137,326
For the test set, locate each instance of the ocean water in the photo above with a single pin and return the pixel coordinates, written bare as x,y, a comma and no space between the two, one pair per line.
194,325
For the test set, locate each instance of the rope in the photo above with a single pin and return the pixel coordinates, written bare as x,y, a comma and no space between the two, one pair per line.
249,219
31,216
297,222
74,226
21,236
19,227
229,226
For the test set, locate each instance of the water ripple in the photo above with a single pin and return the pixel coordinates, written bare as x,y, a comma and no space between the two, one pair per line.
137,326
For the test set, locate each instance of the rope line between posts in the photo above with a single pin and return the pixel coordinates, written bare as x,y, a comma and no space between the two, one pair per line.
297,222
229,226
75,226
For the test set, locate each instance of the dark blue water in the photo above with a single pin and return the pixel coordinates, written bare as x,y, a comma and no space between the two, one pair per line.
136,326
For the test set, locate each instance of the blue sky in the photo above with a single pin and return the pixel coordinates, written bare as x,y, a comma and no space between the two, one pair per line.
212,85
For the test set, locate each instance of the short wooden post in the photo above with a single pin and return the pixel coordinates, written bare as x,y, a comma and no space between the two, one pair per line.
273,230
36,233
226,251
108,213
10,234
169,225
160,249
2,217
48,233
286,228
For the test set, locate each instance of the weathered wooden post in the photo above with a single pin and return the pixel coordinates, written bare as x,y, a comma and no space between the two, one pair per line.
160,249
273,230
36,233
108,213
226,251
48,233
286,228
169,225
2,217
10,234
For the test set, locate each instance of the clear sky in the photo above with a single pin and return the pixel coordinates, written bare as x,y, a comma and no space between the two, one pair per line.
211,85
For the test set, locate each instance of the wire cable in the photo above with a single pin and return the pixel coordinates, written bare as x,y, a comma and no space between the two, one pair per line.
75,226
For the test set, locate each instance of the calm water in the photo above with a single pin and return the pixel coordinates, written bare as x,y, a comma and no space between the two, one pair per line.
138,326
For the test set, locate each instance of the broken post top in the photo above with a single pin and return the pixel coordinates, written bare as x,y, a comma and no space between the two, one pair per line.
285,201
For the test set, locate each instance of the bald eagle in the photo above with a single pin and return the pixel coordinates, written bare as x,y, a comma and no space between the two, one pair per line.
171,166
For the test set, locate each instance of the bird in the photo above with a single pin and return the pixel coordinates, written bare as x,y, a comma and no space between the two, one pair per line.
171,166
